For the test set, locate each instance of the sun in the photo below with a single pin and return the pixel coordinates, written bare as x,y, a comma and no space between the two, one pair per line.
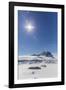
29,27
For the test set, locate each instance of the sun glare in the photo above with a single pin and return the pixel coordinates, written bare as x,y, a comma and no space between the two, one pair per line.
29,27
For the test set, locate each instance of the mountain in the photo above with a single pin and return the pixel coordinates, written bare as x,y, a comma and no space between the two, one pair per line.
44,53
35,55
44,56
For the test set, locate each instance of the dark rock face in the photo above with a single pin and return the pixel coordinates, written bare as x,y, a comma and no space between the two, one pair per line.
45,53
34,68
35,54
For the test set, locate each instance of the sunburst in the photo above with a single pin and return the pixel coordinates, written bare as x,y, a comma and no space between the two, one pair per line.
29,27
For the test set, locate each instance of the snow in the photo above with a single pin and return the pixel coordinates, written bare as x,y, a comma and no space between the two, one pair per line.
35,57
45,72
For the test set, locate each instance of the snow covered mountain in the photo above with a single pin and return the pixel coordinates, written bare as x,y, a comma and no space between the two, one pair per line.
45,53
47,57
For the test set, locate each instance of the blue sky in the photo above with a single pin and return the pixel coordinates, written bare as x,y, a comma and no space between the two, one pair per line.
43,36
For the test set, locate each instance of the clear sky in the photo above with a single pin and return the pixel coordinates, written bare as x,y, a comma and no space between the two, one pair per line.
37,32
